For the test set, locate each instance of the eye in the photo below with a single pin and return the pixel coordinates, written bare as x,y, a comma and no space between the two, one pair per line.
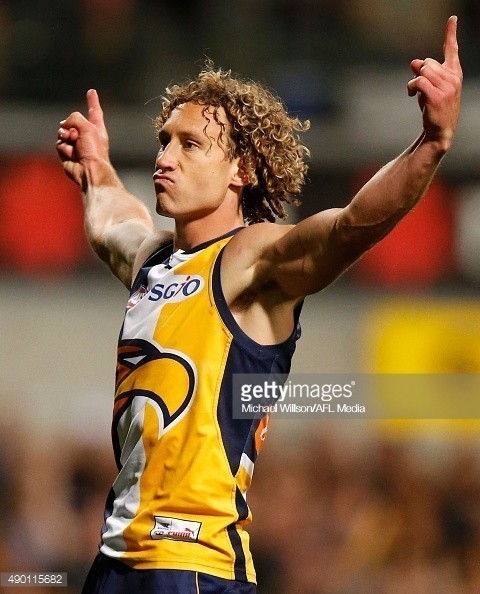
163,139
190,144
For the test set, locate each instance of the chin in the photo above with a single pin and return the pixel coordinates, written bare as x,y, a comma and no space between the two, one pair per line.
161,210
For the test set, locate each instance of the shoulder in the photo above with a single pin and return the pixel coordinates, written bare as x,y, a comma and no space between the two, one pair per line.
249,246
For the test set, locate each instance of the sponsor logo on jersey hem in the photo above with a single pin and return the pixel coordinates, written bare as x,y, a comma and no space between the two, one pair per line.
175,529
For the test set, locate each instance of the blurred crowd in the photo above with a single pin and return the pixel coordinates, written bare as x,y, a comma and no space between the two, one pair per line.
52,493
53,51
333,514
342,517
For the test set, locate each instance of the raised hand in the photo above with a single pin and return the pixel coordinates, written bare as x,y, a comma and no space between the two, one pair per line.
82,144
438,87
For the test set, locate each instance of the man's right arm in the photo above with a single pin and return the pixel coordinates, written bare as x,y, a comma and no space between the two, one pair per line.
119,227
305,258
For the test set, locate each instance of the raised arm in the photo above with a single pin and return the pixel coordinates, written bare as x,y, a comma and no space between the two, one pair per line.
313,253
117,224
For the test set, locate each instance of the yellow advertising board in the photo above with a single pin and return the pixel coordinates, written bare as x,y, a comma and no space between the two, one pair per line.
425,336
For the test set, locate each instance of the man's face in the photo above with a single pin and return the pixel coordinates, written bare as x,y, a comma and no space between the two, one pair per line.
192,171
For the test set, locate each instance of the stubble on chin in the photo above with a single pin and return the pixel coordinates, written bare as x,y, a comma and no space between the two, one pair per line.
160,209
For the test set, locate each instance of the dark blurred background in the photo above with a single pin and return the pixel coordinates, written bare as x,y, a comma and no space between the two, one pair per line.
344,507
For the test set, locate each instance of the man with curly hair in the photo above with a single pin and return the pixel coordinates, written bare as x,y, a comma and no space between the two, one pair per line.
220,296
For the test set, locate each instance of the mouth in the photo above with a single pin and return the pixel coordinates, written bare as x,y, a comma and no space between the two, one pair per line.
162,179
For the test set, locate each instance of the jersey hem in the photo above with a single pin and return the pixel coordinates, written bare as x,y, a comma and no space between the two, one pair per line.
184,565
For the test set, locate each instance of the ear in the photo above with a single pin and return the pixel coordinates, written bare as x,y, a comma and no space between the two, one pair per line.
240,177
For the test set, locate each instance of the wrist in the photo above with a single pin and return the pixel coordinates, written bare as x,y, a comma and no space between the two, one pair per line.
439,145
100,172
435,147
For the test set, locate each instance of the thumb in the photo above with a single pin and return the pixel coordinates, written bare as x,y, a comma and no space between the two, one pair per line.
416,65
72,171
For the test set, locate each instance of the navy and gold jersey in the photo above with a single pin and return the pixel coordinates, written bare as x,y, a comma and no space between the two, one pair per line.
179,500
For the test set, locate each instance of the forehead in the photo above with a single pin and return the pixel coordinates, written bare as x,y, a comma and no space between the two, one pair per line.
197,117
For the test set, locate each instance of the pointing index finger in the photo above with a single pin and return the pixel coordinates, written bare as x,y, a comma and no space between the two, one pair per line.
450,47
95,113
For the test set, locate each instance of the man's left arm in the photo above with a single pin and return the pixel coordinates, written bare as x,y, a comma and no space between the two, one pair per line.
317,250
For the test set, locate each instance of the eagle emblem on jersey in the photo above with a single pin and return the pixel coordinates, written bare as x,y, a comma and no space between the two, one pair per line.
163,379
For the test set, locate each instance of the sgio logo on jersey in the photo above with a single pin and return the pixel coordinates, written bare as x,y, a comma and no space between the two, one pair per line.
182,288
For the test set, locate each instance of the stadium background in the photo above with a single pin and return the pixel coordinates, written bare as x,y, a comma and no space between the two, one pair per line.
340,507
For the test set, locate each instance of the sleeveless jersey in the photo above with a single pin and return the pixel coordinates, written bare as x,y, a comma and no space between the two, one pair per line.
184,464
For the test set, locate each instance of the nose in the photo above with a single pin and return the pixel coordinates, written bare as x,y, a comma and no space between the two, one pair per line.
166,158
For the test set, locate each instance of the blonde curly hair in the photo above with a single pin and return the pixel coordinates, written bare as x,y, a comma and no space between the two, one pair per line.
261,133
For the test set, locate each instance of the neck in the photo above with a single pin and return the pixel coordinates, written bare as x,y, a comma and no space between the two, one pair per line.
198,228
189,234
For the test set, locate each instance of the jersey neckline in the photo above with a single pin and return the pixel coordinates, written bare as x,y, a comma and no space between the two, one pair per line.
205,244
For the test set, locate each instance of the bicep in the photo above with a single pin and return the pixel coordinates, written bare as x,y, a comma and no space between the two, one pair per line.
311,255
